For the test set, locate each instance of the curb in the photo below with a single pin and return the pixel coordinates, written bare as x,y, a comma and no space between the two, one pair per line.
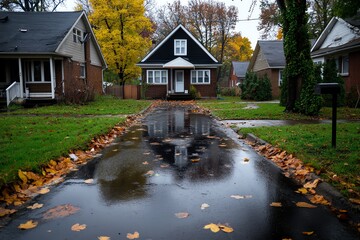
337,200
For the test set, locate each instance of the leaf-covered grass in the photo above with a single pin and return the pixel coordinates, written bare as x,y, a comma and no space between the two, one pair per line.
234,108
312,144
103,105
28,142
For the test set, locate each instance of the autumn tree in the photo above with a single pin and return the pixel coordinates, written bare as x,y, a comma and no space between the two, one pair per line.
121,29
30,5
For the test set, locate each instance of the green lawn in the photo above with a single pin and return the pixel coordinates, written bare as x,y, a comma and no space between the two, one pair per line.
27,141
312,144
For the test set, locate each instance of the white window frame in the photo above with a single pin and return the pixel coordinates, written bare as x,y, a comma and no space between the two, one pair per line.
77,35
29,71
182,49
281,74
82,70
344,72
162,76
199,76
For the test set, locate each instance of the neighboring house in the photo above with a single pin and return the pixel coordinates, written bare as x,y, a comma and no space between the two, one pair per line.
177,63
269,59
340,40
47,55
237,73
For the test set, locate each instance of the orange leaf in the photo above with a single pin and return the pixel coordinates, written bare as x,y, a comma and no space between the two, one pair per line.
77,227
133,235
28,225
182,215
276,204
60,211
312,184
22,176
225,228
305,205
319,199
213,227
302,190
103,238
4,211
308,233
43,190
35,206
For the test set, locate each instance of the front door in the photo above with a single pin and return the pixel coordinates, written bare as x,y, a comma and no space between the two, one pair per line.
179,81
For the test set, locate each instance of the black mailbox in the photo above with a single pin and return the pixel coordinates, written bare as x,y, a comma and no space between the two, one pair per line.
334,89
327,88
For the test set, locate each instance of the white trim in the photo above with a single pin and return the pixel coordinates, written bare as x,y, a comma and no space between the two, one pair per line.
153,76
178,63
183,81
319,41
168,36
180,41
21,79
197,77
52,78
280,80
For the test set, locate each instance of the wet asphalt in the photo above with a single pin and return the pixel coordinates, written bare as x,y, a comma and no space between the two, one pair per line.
174,161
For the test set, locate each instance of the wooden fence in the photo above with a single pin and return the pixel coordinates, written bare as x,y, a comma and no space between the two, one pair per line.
130,91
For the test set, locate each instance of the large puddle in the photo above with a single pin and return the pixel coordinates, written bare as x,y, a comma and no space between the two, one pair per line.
176,161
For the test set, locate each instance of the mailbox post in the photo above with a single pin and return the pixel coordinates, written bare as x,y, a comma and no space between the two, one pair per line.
334,90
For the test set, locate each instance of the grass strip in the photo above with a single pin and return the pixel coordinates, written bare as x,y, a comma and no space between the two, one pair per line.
28,142
312,144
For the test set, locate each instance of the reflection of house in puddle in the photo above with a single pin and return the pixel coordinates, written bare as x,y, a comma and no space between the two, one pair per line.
183,139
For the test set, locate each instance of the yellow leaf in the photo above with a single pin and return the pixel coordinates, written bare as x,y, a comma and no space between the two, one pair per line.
276,204
103,238
43,190
319,199
182,215
35,206
133,235
302,191
22,176
53,163
77,227
28,225
312,184
89,181
305,205
4,211
308,233
225,228
213,227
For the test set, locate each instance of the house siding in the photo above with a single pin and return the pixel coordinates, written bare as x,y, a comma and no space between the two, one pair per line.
260,63
69,47
94,56
207,90
353,80
341,32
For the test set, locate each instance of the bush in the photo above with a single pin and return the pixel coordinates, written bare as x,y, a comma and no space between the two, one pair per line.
80,92
330,75
194,92
352,98
229,91
256,88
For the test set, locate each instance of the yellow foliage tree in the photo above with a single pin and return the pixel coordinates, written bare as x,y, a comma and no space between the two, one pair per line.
238,48
122,30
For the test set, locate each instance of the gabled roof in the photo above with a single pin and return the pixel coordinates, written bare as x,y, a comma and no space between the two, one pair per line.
346,39
34,32
240,68
39,32
178,63
273,52
163,49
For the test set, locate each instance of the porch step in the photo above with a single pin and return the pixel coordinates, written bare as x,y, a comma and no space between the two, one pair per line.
32,102
179,96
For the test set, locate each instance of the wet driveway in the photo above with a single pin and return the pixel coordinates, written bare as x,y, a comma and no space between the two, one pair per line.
176,161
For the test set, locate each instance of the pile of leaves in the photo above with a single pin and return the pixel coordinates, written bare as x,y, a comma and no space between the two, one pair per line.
31,184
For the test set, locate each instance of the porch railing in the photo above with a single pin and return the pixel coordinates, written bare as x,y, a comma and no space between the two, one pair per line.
12,92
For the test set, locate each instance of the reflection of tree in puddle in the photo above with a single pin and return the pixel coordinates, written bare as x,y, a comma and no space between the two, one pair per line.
184,141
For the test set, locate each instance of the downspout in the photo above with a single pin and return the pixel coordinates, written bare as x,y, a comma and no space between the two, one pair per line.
21,79
52,77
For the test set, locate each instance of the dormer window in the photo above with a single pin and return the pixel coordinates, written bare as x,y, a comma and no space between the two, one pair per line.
76,35
180,47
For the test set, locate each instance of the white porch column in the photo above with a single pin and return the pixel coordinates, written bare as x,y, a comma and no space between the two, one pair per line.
62,76
52,77
21,79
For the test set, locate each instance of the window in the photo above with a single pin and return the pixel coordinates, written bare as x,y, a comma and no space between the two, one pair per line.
76,35
180,47
36,71
200,76
157,76
280,77
345,65
82,70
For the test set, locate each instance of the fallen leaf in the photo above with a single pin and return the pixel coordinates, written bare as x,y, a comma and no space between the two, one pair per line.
308,233
89,181
194,160
103,238
319,199
355,201
133,235
225,228
60,211
150,173
44,190
164,165
276,204
312,184
182,215
145,163
213,227
305,205
241,196
222,145
77,227
22,176
28,225
302,191
4,211
204,206
35,206
246,159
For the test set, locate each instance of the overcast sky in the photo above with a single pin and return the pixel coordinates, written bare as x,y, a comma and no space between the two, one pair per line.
247,28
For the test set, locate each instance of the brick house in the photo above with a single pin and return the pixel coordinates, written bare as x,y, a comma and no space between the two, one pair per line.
177,63
237,73
47,55
269,59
